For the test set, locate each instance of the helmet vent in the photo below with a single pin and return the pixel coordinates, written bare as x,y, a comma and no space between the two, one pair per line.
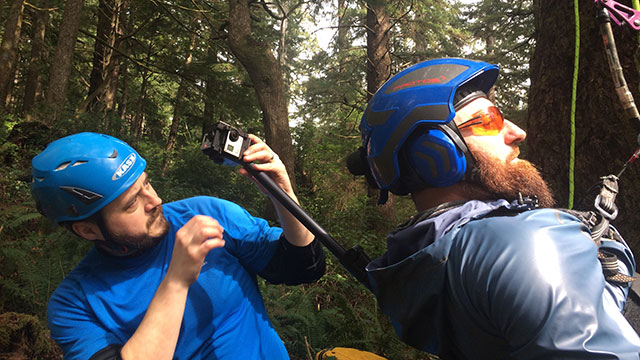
83,195
114,154
63,166
79,162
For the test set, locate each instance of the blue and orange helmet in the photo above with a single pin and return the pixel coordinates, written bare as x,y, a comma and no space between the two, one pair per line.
408,125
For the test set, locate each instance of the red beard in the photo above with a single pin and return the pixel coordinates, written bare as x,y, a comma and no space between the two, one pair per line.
495,178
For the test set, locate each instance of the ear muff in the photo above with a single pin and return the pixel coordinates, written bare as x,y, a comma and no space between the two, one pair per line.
435,157
357,165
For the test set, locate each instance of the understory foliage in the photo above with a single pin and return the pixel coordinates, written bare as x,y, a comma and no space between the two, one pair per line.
166,72
336,311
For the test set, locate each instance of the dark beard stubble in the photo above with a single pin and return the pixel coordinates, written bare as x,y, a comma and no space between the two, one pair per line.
144,241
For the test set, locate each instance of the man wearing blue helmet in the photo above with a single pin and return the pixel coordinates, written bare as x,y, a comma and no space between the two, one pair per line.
483,271
164,281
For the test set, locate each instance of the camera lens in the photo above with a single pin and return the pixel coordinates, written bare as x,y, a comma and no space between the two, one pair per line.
233,135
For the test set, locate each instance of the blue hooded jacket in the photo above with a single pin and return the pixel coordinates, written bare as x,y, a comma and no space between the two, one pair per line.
464,283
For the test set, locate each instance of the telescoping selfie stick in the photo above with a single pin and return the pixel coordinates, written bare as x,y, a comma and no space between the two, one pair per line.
225,145
608,11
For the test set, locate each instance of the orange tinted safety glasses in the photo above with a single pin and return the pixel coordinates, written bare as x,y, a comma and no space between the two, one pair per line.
485,122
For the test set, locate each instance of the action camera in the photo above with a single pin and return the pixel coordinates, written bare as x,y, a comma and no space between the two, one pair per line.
225,144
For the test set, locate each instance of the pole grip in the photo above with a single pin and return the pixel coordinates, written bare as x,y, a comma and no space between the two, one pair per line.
354,260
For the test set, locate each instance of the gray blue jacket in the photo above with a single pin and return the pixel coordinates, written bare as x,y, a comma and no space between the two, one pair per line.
468,284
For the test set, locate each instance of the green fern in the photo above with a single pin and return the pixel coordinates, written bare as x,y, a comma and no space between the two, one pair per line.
22,220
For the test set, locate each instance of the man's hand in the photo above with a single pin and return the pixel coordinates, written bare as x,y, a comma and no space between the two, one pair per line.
264,159
157,335
193,242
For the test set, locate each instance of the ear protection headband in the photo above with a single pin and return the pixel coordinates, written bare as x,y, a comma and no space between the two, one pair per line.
439,155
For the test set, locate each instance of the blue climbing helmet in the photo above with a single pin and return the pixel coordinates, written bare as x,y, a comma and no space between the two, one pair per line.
76,176
409,139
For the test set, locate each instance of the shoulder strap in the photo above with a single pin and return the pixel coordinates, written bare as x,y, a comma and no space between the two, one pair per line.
597,221
523,203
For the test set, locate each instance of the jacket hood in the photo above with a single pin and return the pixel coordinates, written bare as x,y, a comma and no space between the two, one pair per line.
416,251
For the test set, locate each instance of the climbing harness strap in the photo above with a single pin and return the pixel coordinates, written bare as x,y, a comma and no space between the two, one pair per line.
598,223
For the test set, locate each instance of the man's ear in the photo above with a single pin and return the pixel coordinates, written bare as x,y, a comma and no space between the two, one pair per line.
87,229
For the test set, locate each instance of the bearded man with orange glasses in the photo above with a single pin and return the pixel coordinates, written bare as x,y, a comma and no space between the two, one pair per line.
486,269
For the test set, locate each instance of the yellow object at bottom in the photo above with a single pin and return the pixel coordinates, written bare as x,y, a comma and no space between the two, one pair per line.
340,353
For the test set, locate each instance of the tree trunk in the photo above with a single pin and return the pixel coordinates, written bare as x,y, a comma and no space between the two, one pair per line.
210,88
126,27
378,71
175,124
123,100
100,50
343,28
178,108
211,85
282,44
266,75
9,52
111,89
209,105
378,56
104,73
112,74
63,59
33,85
137,128
604,137
342,45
